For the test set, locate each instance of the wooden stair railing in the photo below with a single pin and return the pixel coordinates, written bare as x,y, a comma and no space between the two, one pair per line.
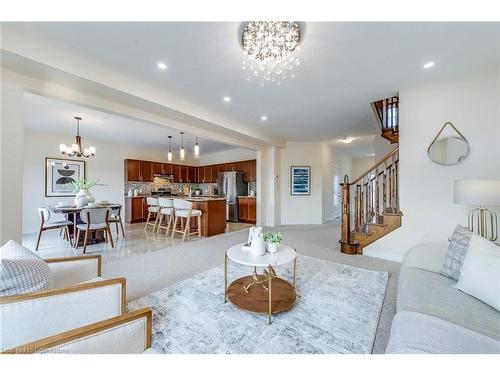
386,113
370,205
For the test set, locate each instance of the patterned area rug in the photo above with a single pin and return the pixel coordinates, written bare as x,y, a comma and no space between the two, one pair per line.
337,311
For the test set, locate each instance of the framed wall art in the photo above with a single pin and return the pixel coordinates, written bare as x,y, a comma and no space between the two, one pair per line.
300,180
59,174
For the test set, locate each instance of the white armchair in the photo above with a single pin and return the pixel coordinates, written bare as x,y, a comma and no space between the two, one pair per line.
130,333
80,297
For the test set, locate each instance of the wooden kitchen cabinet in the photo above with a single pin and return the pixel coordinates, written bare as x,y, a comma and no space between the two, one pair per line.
191,175
176,169
247,210
168,168
132,170
146,171
157,168
135,209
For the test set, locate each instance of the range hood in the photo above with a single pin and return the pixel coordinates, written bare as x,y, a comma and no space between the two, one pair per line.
164,176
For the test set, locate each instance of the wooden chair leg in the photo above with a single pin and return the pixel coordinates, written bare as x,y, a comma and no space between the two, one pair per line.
117,230
199,226
159,223
38,239
110,236
169,223
66,230
121,226
175,225
85,240
186,228
147,221
77,240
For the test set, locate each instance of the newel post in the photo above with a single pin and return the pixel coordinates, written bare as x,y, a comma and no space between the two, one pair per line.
345,232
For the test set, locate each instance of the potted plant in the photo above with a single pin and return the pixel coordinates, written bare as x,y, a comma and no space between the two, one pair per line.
82,189
273,240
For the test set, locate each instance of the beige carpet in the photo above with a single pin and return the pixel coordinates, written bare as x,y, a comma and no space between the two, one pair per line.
154,270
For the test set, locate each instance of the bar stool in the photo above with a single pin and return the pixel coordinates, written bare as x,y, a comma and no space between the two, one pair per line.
153,208
45,225
166,208
184,209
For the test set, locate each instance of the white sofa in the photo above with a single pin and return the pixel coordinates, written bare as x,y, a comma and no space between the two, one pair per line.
128,333
434,317
79,297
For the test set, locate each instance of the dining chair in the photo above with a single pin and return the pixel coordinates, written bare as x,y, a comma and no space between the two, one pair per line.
94,219
166,209
116,218
46,224
153,208
184,209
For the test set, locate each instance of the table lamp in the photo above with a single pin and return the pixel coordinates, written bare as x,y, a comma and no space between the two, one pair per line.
481,194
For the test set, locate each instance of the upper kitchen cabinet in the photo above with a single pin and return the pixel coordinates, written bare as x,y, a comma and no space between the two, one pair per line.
132,170
168,168
137,170
158,168
147,171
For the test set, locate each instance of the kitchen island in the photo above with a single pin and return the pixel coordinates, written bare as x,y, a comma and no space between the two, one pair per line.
213,219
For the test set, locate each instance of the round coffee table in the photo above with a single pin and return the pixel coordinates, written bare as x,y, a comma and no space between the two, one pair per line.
261,293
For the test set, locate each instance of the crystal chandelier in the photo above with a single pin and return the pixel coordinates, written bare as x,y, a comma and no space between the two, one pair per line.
76,148
269,48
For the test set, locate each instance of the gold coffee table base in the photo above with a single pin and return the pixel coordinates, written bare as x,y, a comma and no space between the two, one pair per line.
257,299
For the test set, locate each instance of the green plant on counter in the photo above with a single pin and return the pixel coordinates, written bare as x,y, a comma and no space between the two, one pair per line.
81,184
275,238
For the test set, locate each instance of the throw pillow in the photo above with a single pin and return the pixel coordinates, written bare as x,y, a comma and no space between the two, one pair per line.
22,271
480,276
457,249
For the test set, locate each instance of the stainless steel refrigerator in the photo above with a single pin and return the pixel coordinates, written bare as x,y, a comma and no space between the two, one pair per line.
231,185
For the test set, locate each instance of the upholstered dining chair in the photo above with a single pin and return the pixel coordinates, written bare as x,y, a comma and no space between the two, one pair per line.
166,209
116,218
153,208
46,224
94,219
184,209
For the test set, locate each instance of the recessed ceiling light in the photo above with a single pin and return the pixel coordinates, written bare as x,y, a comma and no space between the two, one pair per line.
161,66
263,118
227,99
428,65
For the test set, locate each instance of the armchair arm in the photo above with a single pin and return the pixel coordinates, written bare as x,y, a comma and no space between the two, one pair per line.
73,270
130,333
28,317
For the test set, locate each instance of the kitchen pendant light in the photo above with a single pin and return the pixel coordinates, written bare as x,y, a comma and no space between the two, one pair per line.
196,149
76,148
182,152
169,154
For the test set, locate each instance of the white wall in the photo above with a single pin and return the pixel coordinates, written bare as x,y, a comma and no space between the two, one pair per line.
11,154
228,156
382,147
471,103
316,208
269,179
361,165
107,166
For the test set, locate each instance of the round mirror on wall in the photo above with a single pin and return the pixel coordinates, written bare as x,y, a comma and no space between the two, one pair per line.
448,149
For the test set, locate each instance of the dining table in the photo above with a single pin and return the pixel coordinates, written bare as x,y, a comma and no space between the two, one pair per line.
72,213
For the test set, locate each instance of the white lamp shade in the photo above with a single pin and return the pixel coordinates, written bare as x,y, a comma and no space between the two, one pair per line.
477,192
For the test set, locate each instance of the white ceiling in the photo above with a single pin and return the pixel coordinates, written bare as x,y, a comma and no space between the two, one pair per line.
46,114
344,66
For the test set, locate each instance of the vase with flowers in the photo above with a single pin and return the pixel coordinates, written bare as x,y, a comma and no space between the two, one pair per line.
82,187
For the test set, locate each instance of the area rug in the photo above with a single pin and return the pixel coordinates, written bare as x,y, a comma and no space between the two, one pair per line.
337,311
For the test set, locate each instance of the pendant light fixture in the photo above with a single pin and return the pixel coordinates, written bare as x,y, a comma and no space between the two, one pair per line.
76,148
169,154
196,149
182,151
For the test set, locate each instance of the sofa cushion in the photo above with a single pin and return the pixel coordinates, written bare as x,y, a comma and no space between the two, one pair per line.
457,249
415,333
22,271
431,293
480,275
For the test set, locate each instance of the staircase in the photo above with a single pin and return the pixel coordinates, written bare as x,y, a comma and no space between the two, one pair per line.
386,113
370,205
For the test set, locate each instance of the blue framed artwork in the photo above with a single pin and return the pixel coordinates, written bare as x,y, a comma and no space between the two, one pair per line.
300,180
